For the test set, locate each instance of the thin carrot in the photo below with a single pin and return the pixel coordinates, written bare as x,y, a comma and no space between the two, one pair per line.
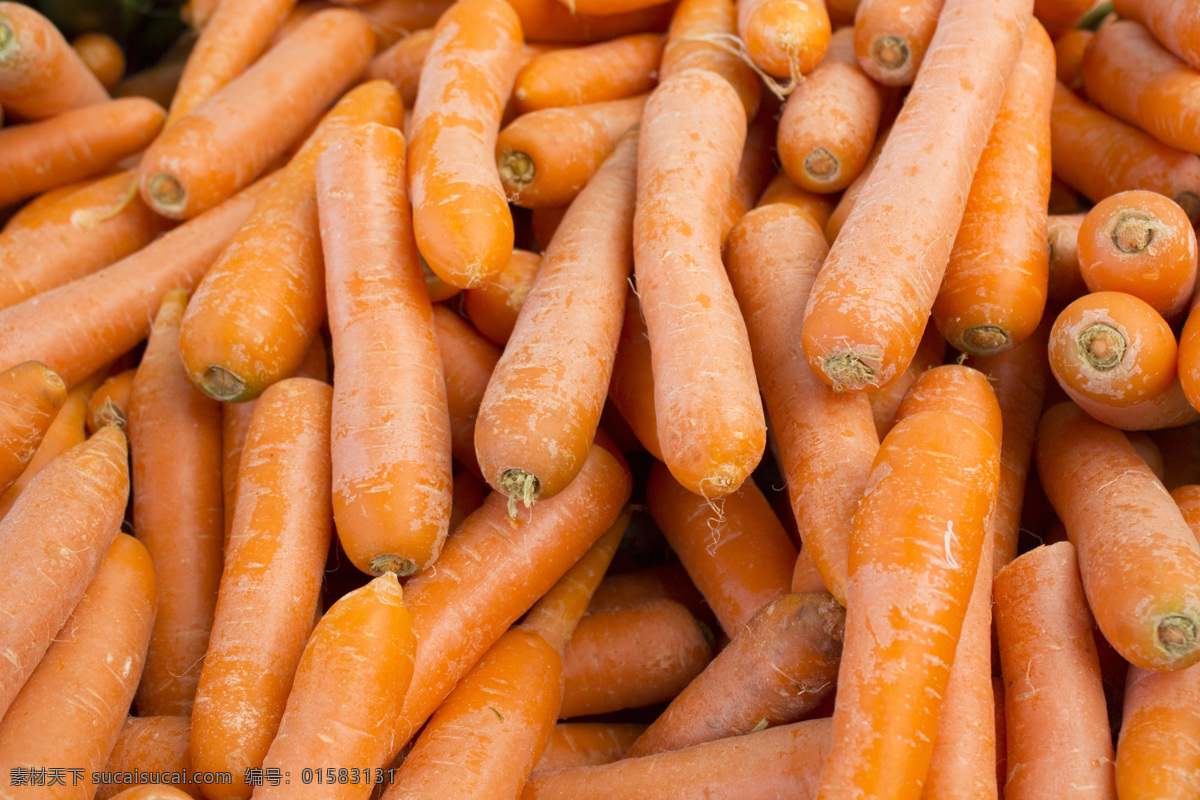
885,401
154,745
401,64
1068,57
613,70
258,307
493,306
551,21
391,439
468,360
994,290
699,39
755,170
40,75
206,157
1058,739
892,38
632,385
1137,556
546,157
1176,25
103,57
583,744
805,577
1066,281
1140,243
30,398
69,712
109,404
270,585
542,406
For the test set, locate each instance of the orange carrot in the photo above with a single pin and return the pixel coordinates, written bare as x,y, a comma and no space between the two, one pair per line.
552,21
103,56
40,75
258,307
155,83
583,744
270,585
69,712
391,439
542,406
632,385
612,70
30,397
870,302
805,577
197,12
206,157
667,581
1176,25
109,404
698,39
787,38
1136,554
781,190
1066,281
886,401
1068,57
1149,452
755,170
391,20
493,306
47,200
467,364
892,38
152,745
1167,410
994,290
401,64
461,219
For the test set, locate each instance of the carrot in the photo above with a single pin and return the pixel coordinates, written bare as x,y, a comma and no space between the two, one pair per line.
774,671
234,36
1189,357
40,75
393,19
1058,738
109,404
197,12
755,170
69,712
467,364
391,439
631,657
613,70
994,290
103,57
153,793
632,385
152,745
270,585
1137,558
915,548
1099,155
1069,48
551,21
710,425
849,198
77,328
206,157
48,199
542,406
957,389
1140,243
1061,16
805,577
697,39
666,581
1149,452
30,397
1176,26
583,744
461,219
891,38
1066,281
786,38
817,207
155,83
829,122
1112,348
258,307
401,64
885,401
778,762
1167,410
493,306
603,7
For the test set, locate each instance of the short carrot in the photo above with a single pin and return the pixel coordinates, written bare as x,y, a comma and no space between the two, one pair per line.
401,64
552,21
1176,25
542,406
204,158
461,219
891,38
786,38
30,398
103,57
632,385
613,70
153,745
698,39
582,744
69,712
468,360
390,439
109,404
493,306
1066,281
40,75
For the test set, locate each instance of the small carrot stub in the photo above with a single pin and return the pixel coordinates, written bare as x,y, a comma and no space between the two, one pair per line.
30,396
1137,556
787,38
493,306
461,219
1173,24
109,404
613,70
40,75
891,37
1140,243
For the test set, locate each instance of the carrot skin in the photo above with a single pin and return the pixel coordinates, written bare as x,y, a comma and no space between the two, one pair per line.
40,75
153,745
583,744
30,397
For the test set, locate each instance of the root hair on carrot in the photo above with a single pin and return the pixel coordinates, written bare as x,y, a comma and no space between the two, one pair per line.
734,45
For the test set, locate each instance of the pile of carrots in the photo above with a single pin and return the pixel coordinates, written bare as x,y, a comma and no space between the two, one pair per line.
603,399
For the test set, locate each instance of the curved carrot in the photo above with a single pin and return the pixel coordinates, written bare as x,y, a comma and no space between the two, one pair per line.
493,306
175,444
1176,25
1140,243
1099,155
552,21
65,431
1068,57
103,57
205,157
994,290
468,360
40,75
613,70
697,39
1066,281
109,404
710,424
582,744
542,406
1058,738
914,555
152,745
461,219
787,38
891,38
258,307
401,64
872,298
632,385
69,712
1137,556
270,585
30,398
885,401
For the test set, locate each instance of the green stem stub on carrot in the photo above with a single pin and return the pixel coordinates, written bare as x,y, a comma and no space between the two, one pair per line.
1101,346
1133,232
516,168
1177,634
221,384
519,485
985,340
167,193
890,52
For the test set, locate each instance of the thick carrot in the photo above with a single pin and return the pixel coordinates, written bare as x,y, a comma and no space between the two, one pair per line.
1066,281
891,38
1112,348
885,401
786,38
698,39
631,657
401,64
958,389
613,70
175,444
1140,243
552,21
461,219
914,554
493,306
1058,742
270,585
584,744
30,398
40,75
777,669
151,745
994,290
778,762
69,712
468,360
1100,155
1176,25
350,683
65,431
253,315
1068,57
81,326
829,122
542,406
632,385
229,139
103,57
710,423
1137,556
109,404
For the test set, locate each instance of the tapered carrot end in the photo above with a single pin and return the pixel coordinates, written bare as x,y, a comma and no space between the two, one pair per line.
519,485
166,194
393,564
984,340
1179,636
848,372
890,52
1101,346
221,384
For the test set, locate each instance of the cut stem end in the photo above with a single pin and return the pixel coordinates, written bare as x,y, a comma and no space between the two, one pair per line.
519,485
890,52
1101,346
221,384
821,165
398,565
848,372
516,169
1177,634
167,194
1133,232
985,340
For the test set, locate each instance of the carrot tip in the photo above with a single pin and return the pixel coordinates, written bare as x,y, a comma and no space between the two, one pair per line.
1177,634
1133,232
516,169
848,372
984,340
391,563
1101,346
890,52
110,414
822,165
221,384
167,194
519,485
1190,203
